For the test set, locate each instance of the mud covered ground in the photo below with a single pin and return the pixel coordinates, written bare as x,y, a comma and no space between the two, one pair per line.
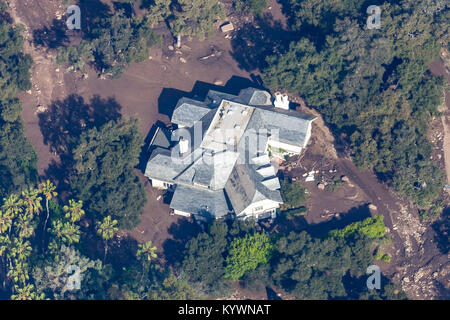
149,91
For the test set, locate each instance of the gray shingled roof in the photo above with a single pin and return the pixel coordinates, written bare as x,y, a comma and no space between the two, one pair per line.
162,167
255,97
205,179
291,125
189,111
204,202
161,138
245,187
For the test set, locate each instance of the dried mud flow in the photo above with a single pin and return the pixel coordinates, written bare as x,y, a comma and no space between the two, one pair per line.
417,264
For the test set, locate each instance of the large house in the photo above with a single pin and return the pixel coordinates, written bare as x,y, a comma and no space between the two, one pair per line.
218,163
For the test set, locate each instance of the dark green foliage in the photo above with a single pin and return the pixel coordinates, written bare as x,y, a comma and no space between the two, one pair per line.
104,177
390,291
246,254
195,17
113,43
252,6
370,84
372,228
204,260
205,256
17,157
118,40
300,211
294,195
314,268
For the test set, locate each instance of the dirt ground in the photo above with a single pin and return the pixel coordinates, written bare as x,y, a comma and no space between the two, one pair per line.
150,89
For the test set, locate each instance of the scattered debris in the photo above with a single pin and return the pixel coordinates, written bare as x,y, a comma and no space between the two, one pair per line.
321,186
227,27
310,177
41,109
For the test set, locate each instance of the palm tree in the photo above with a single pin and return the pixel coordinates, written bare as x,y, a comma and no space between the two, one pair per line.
5,243
19,272
66,232
74,211
106,229
145,253
27,292
32,201
5,222
25,226
12,206
48,190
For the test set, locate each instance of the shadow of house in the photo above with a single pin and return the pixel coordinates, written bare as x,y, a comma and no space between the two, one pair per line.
182,231
169,97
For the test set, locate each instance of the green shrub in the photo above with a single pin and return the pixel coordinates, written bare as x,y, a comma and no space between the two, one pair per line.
372,228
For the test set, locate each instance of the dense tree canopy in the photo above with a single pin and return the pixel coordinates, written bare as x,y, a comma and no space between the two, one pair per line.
111,44
17,158
104,177
370,84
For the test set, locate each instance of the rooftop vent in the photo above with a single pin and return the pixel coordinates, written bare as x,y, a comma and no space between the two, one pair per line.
184,145
281,101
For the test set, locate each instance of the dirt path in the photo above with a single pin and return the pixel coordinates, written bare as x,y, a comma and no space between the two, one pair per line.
46,78
445,56
416,261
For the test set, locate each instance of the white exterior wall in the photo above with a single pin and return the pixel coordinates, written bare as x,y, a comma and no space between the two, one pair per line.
159,184
181,213
265,204
288,147
308,134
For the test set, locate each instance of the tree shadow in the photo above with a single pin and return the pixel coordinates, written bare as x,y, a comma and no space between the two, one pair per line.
51,37
272,295
122,252
64,122
321,229
91,11
182,231
128,8
5,17
255,41
441,228
169,97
